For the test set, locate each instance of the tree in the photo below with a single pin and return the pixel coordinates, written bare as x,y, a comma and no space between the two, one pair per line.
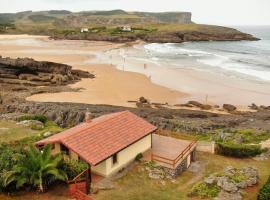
38,169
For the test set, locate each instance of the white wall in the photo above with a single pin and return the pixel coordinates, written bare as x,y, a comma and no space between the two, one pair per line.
124,157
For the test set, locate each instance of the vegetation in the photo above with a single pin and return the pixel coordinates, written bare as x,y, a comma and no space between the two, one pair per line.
38,169
137,184
73,168
14,140
10,131
238,150
204,190
264,193
41,18
40,118
139,157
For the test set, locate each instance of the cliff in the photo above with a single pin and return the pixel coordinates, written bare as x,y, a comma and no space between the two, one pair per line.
104,26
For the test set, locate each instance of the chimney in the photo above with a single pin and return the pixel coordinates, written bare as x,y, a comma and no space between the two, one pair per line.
88,117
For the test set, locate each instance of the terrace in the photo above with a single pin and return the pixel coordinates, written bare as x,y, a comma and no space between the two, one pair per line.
170,152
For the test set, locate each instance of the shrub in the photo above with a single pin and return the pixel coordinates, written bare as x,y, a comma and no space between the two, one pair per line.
204,190
264,193
139,157
238,150
40,118
73,168
151,164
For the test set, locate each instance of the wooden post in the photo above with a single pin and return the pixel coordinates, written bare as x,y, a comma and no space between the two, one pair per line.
88,179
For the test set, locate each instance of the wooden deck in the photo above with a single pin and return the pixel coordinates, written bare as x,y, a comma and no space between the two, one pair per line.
169,152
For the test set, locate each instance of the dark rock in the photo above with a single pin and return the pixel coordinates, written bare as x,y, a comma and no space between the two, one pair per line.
143,100
29,72
253,106
200,105
229,107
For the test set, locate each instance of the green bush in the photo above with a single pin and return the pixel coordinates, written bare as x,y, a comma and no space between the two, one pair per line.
204,190
264,193
73,168
9,156
139,157
40,118
238,150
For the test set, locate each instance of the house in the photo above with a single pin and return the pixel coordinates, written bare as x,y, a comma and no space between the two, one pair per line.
126,28
84,30
110,142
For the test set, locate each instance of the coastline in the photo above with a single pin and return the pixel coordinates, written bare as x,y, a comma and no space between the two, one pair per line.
111,86
115,85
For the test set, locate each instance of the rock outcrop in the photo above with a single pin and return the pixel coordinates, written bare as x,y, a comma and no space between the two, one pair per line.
26,71
229,107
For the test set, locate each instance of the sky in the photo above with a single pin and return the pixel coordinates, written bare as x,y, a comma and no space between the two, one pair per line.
219,12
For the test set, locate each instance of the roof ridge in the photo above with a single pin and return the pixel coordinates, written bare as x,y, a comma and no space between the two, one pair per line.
119,113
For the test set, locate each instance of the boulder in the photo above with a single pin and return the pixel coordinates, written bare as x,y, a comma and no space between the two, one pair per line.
200,105
223,195
229,107
47,134
143,100
156,173
225,184
33,124
253,106
210,180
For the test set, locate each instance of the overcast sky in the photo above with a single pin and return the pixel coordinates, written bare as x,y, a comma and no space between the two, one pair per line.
222,12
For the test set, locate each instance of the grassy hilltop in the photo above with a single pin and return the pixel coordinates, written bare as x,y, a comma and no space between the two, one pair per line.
104,25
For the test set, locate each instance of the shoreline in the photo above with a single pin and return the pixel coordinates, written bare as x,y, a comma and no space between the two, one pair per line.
113,85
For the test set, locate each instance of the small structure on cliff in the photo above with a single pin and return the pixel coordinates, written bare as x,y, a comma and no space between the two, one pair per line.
126,28
84,30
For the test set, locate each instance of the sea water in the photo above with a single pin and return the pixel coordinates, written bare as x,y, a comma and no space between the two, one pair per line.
241,59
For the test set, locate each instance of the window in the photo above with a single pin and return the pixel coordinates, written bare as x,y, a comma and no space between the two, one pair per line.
114,159
64,149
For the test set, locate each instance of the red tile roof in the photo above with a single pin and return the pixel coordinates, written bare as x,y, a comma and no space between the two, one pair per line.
104,136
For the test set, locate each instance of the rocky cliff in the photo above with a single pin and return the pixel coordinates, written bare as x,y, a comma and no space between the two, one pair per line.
26,71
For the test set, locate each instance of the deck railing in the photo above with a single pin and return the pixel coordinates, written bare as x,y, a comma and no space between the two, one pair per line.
173,162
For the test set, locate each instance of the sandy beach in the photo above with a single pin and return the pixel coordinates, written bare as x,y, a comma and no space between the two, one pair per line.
111,86
119,81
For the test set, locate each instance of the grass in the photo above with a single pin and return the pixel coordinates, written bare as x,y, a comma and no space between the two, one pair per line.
137,186
185,136
10,131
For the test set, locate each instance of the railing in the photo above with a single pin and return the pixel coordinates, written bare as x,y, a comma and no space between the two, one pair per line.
173,162
79,195
77,187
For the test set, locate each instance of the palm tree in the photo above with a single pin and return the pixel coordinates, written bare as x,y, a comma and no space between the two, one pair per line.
37,169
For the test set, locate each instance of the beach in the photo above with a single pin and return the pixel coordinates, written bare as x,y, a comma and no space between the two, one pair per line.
120,79
111,86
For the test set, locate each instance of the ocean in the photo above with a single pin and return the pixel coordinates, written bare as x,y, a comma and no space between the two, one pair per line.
248,60
236,72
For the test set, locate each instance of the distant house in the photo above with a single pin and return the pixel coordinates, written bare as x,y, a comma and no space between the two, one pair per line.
126,28
84,30
110,142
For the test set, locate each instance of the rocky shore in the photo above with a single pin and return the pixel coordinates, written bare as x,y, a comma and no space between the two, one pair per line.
21,78
26,71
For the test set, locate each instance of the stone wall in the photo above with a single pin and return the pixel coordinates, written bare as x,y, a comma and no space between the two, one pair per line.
178,170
